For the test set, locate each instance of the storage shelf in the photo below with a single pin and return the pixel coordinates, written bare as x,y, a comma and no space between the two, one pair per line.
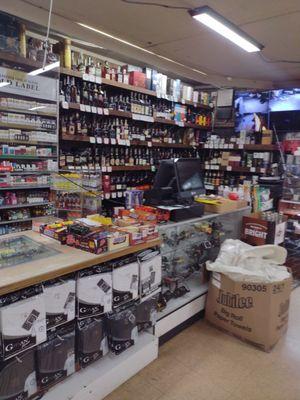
132,88
25,127
25,187
20,157
26,205
126,114
238,169
246,147
21,220
131,168
26,111
28,142
26,172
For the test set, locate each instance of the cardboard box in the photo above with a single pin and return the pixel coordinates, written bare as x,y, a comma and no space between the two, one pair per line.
137,78
225,205
254,312
257,231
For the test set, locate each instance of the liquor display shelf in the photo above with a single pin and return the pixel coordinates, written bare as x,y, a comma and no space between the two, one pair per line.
143,143
124,86
111,169
25,187
126,114
26,172
149,143
25,157
229,168
26,205
30,112
23,127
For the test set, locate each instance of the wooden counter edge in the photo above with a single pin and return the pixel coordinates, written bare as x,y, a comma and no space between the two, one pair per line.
101,258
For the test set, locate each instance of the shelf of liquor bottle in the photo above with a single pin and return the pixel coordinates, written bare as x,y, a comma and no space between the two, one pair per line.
25,111
124,86
24,127
25,187
126,114
16,221
247,147
25,205
123,142
25,157
229,168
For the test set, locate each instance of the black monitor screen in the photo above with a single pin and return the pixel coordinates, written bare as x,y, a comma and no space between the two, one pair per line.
189,174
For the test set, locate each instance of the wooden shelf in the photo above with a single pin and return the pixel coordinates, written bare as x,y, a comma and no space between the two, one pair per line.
22,111
132,88
67,260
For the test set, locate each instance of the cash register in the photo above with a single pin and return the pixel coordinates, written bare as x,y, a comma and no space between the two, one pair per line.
176,183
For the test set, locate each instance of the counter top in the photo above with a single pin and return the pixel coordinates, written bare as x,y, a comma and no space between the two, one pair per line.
66,261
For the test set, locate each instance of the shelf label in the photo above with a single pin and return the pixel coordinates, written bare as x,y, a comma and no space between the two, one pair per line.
107,196
113,141
140,117
106,141
149,144
179,123
241,146
105,111
229,168
94,110
127,142
103,169
118,187
153,169
183,101
109,169
99,140
85,77
230,146
65,105
263,170
100,110
92,140
120,194
82,107
121,142
113,195
98,79
92,78
88,108
252,169
225,146
209,187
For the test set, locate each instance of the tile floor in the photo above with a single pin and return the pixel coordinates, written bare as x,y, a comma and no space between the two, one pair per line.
204,363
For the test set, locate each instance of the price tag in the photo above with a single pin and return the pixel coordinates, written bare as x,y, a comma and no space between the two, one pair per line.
241,146
206,167
88,108
113,195
82,107
226,145
113,141
99,140
179,123
70,167
127,142
118,187
183,101
217,167
92,78
153,169
106,141
98,79
92,140
121,142
100,110
107,196
65,105
263,170
252,169
120,194
136,116
78,168
146,118
104,169
84,167
206,146
94,110
105,111
85,77
170,140
229,168
109,169
230,146
149,144
195,105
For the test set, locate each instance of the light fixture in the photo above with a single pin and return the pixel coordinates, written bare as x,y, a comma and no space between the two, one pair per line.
139,48
2,84
221,25
44,69
36,108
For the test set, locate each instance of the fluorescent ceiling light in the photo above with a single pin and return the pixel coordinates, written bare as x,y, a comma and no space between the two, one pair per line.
2,84
139,48
219,24
45,69
36,108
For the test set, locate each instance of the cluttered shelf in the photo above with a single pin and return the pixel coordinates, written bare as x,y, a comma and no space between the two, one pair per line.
66,260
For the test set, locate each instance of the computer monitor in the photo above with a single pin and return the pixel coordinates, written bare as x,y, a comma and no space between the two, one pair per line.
189,177
179,179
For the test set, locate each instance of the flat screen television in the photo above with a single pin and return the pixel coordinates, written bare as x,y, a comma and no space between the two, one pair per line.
284,100
246,104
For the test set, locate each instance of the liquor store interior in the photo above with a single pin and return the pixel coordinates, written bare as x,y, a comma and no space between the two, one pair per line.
149,200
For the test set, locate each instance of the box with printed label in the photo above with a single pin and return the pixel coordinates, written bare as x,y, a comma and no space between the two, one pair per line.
91,340
117,239
18,377
150,263
60,301
22,320
94,291
56,357
254,312
125,280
